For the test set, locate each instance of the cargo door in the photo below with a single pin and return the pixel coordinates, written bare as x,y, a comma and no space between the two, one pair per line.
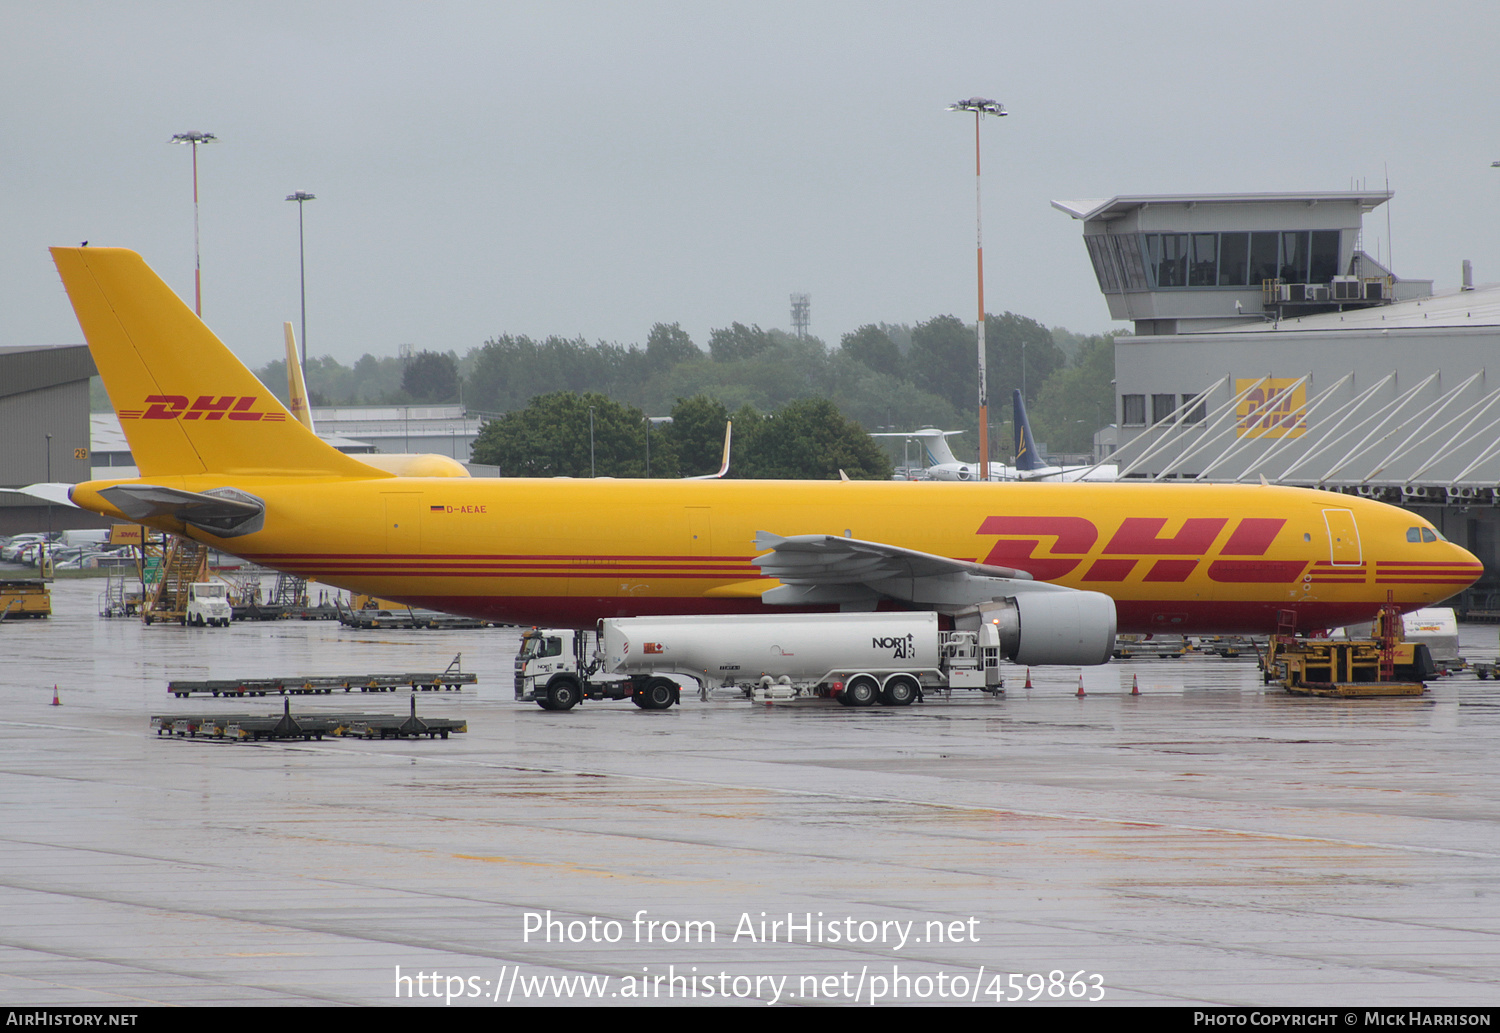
1343,538
403,521
700,540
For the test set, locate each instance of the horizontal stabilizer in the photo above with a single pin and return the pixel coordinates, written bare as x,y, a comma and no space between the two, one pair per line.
222,512
48,491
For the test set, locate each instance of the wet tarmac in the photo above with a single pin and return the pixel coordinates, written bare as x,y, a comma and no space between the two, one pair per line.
1210,842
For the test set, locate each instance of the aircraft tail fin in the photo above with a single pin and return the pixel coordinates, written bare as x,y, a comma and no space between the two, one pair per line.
186,404
296,386
934,443
1026,454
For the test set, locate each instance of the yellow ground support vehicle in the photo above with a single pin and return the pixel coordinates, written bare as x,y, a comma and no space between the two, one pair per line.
25,597
1384,665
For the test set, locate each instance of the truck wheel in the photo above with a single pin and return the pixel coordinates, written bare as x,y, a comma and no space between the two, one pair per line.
900,691
861,691
562,694
659,694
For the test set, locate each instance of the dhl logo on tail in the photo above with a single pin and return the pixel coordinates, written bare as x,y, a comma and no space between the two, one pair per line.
207,407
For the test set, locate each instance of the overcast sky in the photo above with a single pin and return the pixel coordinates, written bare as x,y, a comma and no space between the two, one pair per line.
593,168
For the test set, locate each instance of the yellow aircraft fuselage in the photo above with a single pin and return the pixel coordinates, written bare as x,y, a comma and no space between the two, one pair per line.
1182,558
1174,557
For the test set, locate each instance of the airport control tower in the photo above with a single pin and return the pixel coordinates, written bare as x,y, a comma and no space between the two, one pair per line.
1176,263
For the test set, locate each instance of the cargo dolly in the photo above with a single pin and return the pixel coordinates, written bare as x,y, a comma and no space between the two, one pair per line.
450,679
286,725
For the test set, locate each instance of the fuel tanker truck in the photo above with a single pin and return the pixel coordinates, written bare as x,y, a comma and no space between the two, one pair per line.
858,659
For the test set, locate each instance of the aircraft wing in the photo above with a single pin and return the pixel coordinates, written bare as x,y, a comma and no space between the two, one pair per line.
224,512
820,569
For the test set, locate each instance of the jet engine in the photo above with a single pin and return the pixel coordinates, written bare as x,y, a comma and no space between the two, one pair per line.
1039,628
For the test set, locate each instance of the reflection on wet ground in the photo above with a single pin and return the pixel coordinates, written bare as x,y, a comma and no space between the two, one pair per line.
1210,841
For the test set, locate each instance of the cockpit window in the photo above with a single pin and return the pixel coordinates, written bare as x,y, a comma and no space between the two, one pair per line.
1424,534
1414,534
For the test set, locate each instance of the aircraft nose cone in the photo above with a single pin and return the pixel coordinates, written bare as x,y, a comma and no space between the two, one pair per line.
1458,554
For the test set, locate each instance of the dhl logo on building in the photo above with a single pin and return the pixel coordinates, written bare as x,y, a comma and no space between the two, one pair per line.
1271,408
207,407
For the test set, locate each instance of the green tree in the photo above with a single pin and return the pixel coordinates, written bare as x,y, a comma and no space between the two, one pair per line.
697,434
872,347
738,342
809,440
1076,402
1008,338
549,437
431,377
668,344
943,360
511,370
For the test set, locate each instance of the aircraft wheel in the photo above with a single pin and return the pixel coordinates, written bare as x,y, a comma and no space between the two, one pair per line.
861,691
563,694
900,691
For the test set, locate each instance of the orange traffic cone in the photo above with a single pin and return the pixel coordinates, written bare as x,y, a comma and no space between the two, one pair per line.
1135,689
55,701
1080,685
1028,677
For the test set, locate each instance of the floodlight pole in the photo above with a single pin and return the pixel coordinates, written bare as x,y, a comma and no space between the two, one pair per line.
195,138
980,106
300,197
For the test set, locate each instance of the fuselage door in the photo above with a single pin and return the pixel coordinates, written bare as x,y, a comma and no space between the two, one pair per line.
699,534
1343,538
403,521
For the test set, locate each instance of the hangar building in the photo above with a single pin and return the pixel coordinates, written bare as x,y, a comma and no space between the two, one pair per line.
44,424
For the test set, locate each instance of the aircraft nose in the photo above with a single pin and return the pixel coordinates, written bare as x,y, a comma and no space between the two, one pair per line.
1458,554
1455,570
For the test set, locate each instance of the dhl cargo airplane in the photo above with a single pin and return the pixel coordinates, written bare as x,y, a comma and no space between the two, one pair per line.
222,461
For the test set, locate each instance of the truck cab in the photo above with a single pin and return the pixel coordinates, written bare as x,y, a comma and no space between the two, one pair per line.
208,605
556,668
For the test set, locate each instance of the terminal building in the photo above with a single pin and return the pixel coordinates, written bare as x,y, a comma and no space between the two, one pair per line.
1268,344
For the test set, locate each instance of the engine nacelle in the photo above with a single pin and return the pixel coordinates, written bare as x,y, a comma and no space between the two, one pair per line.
1040,628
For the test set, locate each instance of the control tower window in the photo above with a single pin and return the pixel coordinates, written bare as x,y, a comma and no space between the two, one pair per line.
1167,256
1263,257
1234,259
1117,262
1293,265
1324,258
1204,269
1229,259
